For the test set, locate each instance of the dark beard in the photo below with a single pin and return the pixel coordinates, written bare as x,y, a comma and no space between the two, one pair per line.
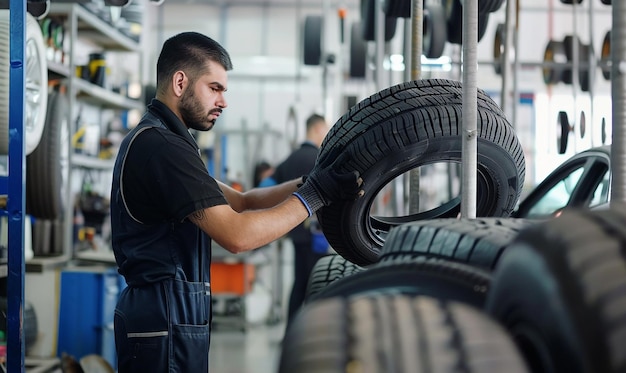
193,114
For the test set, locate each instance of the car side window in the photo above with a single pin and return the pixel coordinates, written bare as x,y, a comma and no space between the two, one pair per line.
601,194
558,196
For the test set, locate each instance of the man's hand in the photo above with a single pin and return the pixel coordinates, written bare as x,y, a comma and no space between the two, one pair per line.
324,185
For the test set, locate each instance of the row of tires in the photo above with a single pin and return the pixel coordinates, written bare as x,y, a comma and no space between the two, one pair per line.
559,55
472,295
442,22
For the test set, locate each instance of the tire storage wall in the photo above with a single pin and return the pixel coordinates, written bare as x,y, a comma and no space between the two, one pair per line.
404,127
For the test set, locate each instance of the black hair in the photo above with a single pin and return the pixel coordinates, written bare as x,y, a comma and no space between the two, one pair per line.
189,52
314,119
259,169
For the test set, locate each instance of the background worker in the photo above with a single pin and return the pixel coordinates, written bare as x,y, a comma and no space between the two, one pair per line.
308,241
166,209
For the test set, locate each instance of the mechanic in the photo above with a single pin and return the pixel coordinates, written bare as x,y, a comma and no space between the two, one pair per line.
308,241
166,209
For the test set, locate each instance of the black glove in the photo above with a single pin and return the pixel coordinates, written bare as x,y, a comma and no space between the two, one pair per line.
326,184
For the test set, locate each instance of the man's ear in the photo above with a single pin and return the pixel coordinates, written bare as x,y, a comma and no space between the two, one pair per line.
179,83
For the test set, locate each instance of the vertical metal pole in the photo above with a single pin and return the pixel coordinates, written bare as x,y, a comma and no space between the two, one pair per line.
506,101
68,218
326,99
575,67
407,50
379,36
470,111
618,90
17,180
417,42
591,70
516,69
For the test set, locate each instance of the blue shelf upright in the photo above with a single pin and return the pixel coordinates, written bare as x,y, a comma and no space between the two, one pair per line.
13,187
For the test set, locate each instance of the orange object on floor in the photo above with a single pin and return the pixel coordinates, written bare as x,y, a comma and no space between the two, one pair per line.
231,278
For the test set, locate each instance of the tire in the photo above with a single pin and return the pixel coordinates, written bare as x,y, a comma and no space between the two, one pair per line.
563,129
38,9
569,2
555,54
483,22
404,127
328,270
583,58
560,292
498,48
44,167
368,22
437,278
312,40
454,22
397,8
476,242
489,6
606,2
605,56
393,333
435,31
35,84
358,51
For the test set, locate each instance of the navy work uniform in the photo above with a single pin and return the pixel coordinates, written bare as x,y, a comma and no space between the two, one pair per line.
163,317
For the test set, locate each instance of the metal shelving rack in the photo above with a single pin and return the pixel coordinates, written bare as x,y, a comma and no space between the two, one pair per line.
81,22
13,185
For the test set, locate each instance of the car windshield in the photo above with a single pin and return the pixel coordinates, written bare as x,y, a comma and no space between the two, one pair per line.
557,197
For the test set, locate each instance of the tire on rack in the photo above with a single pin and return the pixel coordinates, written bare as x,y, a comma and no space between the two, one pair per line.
327,270
476,242
45,180
394,333
397,8
404,127
555,279
498,48
433,277
605,56
35,83
488,6
435,30
368,21
358,51
312,40
556,71
454,22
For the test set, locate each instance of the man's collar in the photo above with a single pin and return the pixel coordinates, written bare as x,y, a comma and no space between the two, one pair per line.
170,120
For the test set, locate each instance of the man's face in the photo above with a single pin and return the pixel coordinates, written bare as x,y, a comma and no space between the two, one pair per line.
203,100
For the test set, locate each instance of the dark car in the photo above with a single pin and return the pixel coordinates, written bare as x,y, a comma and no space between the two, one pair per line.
583,181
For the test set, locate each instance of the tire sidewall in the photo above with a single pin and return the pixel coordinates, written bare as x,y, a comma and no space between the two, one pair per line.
380,173
527,299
